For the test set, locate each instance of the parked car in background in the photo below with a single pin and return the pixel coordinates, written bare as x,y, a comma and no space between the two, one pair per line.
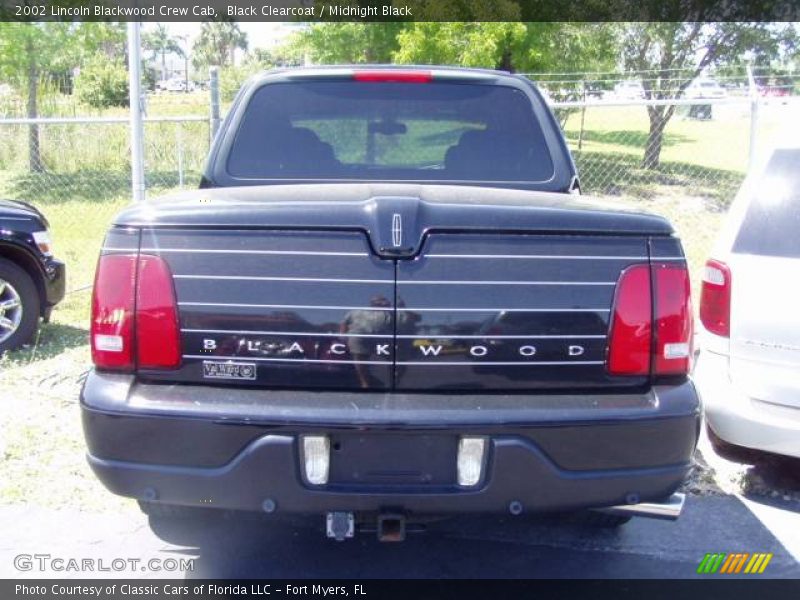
749,368
629,90
594,90
705,88
179,85
31,280
776,87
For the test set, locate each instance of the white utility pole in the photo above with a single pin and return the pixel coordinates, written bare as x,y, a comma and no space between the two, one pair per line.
753,93
136,122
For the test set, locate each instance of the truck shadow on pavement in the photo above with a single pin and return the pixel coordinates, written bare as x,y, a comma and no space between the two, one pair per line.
475,547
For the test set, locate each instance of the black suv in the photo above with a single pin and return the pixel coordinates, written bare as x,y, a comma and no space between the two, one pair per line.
31,280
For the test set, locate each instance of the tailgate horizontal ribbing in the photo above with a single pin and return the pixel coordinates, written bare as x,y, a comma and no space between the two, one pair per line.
256,252
319,309
303,306
372,335
537,318
287,306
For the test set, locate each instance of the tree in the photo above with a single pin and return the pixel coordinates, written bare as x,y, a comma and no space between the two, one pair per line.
475,33
103,83
217,44
29,52
520,47
442,42
25,49
672,54
159,42
348,43
285,55
481,44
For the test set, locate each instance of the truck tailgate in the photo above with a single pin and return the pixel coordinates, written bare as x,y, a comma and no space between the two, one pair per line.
319,309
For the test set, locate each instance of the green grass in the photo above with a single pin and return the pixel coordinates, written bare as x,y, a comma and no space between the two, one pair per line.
699,158
41,445
720,143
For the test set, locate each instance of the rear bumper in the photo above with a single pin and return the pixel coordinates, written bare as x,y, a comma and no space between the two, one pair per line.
738,419
237,449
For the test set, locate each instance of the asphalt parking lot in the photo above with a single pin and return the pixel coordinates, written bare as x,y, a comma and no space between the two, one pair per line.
485,547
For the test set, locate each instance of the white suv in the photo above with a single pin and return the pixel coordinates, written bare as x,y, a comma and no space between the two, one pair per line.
629,90
706,88
748,373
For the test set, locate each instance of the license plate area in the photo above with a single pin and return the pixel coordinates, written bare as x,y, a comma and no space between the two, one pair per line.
393,460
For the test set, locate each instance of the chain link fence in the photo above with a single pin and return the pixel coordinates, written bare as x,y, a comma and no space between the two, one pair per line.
80,173
704,149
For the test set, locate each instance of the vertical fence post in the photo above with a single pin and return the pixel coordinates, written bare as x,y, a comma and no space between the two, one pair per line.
583,118
213,87
136,124
753,116
179,141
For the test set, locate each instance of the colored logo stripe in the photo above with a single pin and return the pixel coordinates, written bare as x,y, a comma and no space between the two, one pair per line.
734,563
758,563
710,563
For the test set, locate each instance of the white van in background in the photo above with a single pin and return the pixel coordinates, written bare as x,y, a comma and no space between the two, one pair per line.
748,372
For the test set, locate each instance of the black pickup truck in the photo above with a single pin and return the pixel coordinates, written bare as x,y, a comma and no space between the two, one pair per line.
387,301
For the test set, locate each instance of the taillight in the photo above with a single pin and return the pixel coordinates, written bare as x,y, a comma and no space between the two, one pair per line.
393,76
157,332
134,314
113,312
630,336
673,318
651,322
715,298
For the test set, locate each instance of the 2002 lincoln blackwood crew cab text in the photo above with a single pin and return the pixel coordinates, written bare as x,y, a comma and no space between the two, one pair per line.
386,301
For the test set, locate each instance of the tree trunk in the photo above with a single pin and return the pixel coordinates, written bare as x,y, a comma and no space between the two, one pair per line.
34,153
506,61
655,137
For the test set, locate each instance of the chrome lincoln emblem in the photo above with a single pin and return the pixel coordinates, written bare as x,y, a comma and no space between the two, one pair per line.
397,230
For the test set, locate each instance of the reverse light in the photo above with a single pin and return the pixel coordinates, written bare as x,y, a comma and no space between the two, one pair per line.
469,465
715,298
109,343
113,312
393,76
673,318
316,458
134,314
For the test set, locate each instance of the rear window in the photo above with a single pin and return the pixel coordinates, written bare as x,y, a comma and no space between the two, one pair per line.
771,226
390,131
